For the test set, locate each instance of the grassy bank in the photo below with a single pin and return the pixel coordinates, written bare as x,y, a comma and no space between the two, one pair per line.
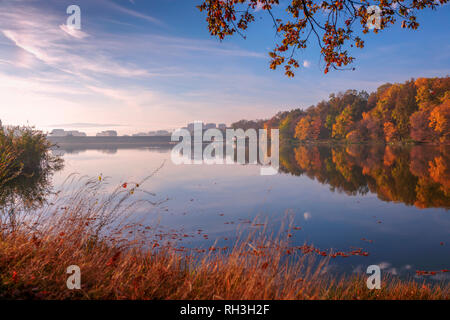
89,228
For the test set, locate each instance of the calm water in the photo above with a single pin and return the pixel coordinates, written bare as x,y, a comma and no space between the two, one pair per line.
392,202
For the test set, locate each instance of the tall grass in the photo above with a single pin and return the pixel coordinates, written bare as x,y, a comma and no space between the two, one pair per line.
90,227
10,166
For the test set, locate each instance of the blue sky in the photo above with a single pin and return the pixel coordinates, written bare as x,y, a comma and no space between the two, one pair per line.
143,65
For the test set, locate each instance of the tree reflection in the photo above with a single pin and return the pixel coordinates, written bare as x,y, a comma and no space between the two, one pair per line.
416,175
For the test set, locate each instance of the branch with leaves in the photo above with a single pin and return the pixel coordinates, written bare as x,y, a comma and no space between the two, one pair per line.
336,25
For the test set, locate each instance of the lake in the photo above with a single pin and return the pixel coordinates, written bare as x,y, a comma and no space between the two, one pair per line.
393,202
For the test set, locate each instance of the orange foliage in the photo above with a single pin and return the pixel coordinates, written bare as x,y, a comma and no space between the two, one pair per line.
390,132
303,21
308,128
415,110
440,121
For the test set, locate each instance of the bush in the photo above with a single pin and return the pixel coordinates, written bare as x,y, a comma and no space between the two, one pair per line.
26,165
26,151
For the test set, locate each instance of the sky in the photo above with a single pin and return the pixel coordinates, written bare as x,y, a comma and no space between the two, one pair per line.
141,65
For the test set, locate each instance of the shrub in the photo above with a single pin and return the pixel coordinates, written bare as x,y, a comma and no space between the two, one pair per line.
26,165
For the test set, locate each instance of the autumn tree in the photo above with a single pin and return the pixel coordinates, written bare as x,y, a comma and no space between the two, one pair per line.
430,122
344,124
390,132
248,124
420,129
308,128
373,126
360,133
417,110
288,124
405,105
275,121
347,120
440,120
336,26
431,91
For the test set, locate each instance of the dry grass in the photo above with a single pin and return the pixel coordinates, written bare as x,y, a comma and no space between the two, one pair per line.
89,228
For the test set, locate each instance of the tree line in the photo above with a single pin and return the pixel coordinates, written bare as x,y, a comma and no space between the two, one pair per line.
417,110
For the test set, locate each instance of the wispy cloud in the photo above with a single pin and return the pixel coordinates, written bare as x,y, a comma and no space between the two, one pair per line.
73,32
135,13
129,65
100,54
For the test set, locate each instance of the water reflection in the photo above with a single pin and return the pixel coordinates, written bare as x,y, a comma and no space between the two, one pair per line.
28,190
414,175
112,149
342,197
375,202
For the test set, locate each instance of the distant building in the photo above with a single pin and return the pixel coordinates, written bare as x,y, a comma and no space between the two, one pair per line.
107,133
76,133
58,133
222,126
64,133
140,134
159,133
209,126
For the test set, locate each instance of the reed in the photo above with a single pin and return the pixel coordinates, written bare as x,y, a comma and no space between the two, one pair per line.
89,227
